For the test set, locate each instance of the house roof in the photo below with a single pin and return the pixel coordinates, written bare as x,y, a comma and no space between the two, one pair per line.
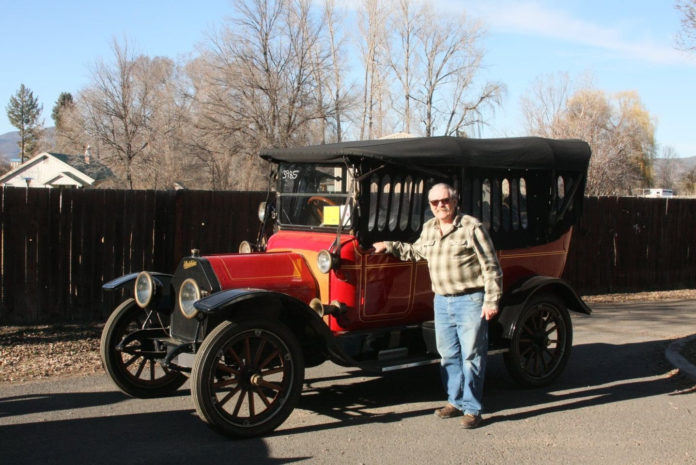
93,169
66,174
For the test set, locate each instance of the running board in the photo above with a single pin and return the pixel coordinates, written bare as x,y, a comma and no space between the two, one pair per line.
403,366
385,364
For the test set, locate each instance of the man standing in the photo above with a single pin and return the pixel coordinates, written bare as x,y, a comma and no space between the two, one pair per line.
467,281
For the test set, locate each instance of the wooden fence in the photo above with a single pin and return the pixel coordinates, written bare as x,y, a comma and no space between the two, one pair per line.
627,244
57,247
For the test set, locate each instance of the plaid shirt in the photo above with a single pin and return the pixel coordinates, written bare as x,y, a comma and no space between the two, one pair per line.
464,259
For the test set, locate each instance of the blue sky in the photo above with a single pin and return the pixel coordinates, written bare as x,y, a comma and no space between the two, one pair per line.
51,47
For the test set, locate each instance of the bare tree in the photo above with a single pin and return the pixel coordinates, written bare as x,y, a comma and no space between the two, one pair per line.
275,75
686,38
544,104
256,86
69,129
165,160
116,109
667,168
403,56
133,115
687,183
373,32
466,112
451,59
70,134
211,135
339,95
619,130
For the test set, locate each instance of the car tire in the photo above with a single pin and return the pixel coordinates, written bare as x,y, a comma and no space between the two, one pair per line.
247,377
134,369
541,342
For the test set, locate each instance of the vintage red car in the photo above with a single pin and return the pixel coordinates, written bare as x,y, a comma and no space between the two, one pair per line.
243,326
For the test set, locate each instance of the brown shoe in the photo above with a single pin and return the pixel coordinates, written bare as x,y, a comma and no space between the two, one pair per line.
448,411
470,421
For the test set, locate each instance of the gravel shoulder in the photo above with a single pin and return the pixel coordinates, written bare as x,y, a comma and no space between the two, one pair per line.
33,353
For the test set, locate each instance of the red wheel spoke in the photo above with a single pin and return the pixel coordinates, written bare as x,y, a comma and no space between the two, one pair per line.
269,385
141,367
131,360
227,369
225,383
238,360
263,397
268,360
252,411
544,365
259,352
526,350
239,403
228,396
274,371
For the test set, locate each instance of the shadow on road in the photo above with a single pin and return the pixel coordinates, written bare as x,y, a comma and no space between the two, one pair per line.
150,438
37,403
597,374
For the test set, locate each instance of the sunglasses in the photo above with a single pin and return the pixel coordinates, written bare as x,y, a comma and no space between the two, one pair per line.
444,201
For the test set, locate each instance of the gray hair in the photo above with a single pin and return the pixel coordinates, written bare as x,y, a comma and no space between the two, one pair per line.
450,189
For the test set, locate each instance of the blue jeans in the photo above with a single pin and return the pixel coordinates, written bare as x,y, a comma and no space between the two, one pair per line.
461,335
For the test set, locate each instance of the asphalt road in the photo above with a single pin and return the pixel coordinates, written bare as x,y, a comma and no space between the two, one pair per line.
618,402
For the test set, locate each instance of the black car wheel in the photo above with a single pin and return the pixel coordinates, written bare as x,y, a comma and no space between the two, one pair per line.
247,377
541,342
134,368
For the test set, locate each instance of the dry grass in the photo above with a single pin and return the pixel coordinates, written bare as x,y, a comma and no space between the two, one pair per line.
30,353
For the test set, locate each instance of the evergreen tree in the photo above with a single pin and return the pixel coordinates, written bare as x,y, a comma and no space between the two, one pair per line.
24,113
65,101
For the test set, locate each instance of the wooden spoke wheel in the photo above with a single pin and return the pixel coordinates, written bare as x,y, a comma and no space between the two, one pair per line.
133,367
247,377
541,342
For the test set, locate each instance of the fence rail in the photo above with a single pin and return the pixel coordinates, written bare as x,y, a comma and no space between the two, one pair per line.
57,247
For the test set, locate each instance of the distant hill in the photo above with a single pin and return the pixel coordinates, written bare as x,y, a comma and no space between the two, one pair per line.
8,145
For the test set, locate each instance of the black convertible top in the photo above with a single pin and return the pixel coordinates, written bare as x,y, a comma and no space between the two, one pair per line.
446,151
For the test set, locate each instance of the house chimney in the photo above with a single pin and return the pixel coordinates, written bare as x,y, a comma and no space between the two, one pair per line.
87,154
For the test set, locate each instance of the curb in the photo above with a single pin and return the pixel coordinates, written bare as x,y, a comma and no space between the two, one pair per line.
673,354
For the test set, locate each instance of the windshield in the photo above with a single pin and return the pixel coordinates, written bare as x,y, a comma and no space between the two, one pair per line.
313,195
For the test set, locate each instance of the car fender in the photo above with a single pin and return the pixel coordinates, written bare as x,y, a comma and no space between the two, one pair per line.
516,299
129,279
303,321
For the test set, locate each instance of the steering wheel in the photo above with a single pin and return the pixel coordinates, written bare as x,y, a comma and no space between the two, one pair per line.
316,204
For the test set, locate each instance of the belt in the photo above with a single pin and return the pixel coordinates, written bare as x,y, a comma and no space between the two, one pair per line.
468,291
